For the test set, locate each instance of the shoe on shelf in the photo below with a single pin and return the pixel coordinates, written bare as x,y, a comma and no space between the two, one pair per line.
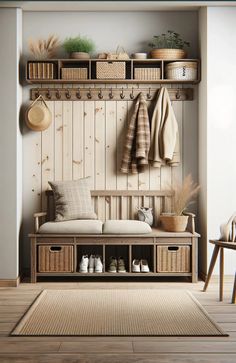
121,265
91,264
136,266
83,266
98,264
144,266
112,265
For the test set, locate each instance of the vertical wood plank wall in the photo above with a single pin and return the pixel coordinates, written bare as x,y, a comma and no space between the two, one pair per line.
86,139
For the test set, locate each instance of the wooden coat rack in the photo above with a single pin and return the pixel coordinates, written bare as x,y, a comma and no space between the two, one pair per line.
107,94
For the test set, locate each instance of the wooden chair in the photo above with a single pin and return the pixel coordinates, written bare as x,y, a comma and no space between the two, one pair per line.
219,247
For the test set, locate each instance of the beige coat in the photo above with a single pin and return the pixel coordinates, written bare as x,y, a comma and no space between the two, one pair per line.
164,133
137,143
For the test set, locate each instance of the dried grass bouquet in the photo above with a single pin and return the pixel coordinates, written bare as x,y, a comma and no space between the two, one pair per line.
184,195
44,48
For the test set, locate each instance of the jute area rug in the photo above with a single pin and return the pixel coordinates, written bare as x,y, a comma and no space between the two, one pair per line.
149,312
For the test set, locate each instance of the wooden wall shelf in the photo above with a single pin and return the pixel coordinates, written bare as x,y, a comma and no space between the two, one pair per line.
55,74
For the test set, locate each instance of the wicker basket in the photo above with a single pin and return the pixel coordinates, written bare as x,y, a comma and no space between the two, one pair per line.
149,74
168,53
183,71
55,258
74,73
110,70
172,223
173,258
41,70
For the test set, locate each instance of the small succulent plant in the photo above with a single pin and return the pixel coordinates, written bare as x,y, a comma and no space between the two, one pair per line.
170,40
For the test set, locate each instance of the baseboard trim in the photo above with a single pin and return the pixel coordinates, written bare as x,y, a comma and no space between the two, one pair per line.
10,282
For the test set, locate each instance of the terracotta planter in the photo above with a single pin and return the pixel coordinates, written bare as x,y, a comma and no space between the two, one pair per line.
172,223
168,53
79,55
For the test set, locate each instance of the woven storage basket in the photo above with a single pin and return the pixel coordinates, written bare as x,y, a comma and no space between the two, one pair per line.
168,53
184,71
41,70
110,70
55,258
74,73
173,258
174,223
149,74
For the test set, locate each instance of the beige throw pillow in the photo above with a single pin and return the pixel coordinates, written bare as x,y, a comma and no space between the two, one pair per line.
72,200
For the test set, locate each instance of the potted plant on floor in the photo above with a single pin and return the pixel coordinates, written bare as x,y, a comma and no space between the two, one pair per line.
184,195
79,47
168,46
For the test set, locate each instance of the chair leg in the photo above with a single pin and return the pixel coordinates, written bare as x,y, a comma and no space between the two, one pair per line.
212,265
221,292
234,291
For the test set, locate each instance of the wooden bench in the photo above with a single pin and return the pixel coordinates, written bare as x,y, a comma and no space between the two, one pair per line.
168,253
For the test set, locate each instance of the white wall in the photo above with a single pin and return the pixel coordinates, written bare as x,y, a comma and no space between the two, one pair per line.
218,137
133,30
10,142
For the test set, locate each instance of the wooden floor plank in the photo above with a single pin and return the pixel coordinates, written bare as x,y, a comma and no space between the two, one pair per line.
118,358
14,302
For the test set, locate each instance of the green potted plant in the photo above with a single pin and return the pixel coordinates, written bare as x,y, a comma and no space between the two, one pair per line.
169,45
184,195
79,47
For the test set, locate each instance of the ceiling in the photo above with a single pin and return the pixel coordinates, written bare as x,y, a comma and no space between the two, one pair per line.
142,5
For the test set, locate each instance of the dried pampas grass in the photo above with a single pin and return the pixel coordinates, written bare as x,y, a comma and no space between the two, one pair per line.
184,194
44,48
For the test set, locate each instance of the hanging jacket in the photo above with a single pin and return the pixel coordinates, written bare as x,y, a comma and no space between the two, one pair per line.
137,143
164,147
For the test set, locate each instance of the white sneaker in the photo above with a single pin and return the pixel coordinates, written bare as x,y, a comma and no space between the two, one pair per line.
98,264
83,266
144,266
136,266
91,264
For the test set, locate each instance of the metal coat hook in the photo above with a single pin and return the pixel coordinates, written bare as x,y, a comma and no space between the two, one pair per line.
122,96
132,94
111,94
58,95
48,94
37,94
68,95
78,94
100,94
149,96
89,94
178,95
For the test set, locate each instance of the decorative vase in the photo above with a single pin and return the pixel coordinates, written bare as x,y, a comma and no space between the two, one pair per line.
145,215
168,53
79,55
173,223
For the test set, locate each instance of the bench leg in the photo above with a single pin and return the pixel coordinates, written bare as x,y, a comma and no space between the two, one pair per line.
234,291
221,292
212,265
33,260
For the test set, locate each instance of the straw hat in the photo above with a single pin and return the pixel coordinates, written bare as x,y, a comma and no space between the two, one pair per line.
38,115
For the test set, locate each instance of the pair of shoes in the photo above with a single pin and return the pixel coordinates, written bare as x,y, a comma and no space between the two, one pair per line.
140,266
90,264
117,265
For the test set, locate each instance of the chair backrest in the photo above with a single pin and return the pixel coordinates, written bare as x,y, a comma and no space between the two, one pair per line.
121,204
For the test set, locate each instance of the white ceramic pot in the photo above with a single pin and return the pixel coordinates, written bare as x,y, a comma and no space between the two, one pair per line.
140,55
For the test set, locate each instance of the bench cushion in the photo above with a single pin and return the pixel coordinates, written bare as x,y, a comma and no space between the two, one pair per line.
84,226
126,227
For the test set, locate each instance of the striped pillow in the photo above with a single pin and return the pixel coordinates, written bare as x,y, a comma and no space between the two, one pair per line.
72,200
